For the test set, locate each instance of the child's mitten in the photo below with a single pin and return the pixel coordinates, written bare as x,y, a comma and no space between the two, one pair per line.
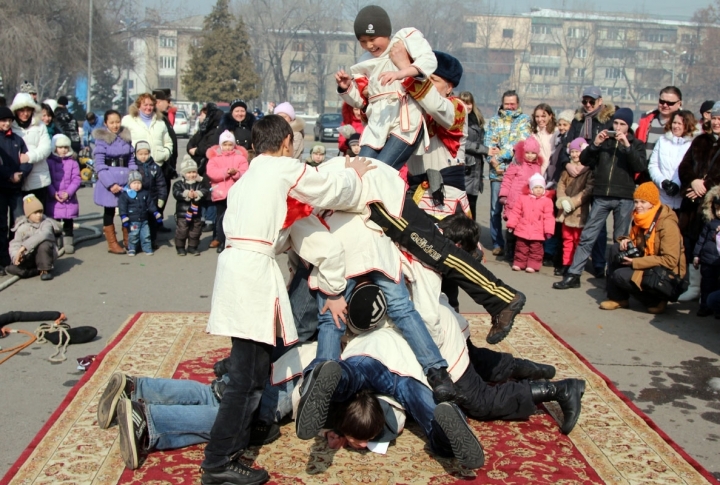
125,221
158,217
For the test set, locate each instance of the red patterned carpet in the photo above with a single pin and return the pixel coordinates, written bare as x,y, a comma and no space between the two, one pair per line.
613,442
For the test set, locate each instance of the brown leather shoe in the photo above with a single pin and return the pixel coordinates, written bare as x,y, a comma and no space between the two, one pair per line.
614,305
498,252
657,310
502,322
214,243
126,237
113,246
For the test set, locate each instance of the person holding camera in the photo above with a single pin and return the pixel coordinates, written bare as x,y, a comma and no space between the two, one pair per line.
615,158
654,241
667,154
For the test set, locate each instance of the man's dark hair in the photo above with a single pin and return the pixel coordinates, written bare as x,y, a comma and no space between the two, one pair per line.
91,117
110,112
363,418
48,109
509,94
459,228
63,101
269,133
671,90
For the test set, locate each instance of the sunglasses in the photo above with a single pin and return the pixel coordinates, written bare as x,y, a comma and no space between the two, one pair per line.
589,102
667,103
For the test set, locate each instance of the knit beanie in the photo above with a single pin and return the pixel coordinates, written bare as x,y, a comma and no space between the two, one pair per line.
142,145
531,145
706,106
366,307
238,103
28,87
31,204
63,101
6,113
648,192
448,68
133,176
188,165
577,143
285,108
227,136
537,180
373,21
715,111
567,115
318,148
624,114
354,139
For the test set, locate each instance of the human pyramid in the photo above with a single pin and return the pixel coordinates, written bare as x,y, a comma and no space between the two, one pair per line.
363,335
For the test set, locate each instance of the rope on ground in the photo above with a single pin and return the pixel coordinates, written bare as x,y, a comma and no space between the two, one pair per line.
95,234
62,331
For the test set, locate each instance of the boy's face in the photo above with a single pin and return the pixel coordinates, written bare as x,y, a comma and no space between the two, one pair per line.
191,176
374,45
355,443
62,151
142,155
136,185
575,155
5,124
318,157
563,126
530,156
355,149
538,190
227,146
35,217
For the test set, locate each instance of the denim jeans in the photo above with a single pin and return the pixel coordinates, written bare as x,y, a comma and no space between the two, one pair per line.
249,369
179,412
496,215
601,208
276,401
395,152
140,232
400,310
209,212
11,208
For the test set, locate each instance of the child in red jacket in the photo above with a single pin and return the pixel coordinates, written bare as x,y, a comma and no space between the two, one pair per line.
226,164
532,221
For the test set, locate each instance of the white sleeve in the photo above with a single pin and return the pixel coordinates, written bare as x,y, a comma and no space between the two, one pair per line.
332,190
420,51
312,241
42,150
352,96
654,165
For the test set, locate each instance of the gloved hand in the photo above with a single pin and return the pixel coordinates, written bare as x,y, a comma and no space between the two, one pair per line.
548,235
670,188
160,204
125,221
502,200
567,206
158,217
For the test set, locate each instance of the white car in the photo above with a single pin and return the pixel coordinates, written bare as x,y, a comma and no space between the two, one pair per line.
182,124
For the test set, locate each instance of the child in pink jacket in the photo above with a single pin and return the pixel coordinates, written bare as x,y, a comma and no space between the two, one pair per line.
532,221
226,164
527,162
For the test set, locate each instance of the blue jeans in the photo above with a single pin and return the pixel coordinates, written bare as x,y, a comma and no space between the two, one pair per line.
400,310
140,232
496,215
599,250
209,212
395,152
601,208
179,412
276,401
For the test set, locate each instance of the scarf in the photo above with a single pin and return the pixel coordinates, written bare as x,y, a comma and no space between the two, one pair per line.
147,119
641,223
24,125
587,125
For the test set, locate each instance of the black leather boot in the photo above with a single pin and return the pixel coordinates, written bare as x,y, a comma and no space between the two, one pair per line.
527,369
569,281
441,384
568,394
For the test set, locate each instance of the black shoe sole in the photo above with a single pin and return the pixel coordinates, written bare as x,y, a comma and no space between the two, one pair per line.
516,308
107,406
206,479
560,286
314,404
128,449
465,445
567,427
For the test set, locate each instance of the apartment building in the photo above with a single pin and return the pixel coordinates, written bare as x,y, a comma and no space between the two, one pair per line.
549,55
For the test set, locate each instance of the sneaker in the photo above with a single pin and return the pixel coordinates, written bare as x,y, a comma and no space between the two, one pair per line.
465,445
234,472
46,275
263,434
131,253
498,251
120,386
193,251
133,432
315,394
181,251
149,253
441,384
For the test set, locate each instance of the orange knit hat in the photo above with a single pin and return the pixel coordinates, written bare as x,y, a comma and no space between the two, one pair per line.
649,192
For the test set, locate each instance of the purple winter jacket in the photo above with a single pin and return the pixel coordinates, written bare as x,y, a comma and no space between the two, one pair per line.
64,177
114,158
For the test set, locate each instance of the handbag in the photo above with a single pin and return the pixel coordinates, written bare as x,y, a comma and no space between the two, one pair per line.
664,282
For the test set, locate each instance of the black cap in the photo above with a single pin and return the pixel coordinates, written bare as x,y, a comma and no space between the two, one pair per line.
161,95
366,307
448,68
706,106
6,113
373,21
236,103
63,101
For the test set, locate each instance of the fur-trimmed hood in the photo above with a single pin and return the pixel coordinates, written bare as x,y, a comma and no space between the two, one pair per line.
24,100
708,202
605,114
519,149
134,111
298,124
105,135
230,123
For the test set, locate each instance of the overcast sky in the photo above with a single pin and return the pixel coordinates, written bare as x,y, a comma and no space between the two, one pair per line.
681,9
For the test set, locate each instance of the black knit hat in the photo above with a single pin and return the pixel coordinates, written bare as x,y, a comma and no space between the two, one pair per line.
6,113
366,307
236,103
448,68
706,106
373,21
63,101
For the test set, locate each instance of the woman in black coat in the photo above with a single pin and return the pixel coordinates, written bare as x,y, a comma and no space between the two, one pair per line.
239,122
475,151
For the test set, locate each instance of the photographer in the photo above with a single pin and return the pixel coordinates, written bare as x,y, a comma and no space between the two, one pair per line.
654,240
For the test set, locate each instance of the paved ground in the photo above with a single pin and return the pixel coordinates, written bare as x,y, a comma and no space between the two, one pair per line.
663,363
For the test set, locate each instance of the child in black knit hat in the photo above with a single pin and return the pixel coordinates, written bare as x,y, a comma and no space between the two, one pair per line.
189,192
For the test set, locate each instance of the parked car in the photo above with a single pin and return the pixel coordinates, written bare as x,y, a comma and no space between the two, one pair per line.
326,127
182,124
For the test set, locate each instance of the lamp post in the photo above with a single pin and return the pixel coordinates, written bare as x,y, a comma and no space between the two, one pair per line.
89,60
674,56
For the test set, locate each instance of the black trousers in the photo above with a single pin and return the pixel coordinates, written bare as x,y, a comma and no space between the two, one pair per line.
68,227
490,365
248,370
709,282
221,206
189,231
108,216
620,285
168,174
509,400
416,231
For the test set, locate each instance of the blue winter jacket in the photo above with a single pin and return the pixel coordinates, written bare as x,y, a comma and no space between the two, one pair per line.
138,208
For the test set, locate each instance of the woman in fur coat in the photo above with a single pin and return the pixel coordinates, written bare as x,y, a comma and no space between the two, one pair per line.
147,123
